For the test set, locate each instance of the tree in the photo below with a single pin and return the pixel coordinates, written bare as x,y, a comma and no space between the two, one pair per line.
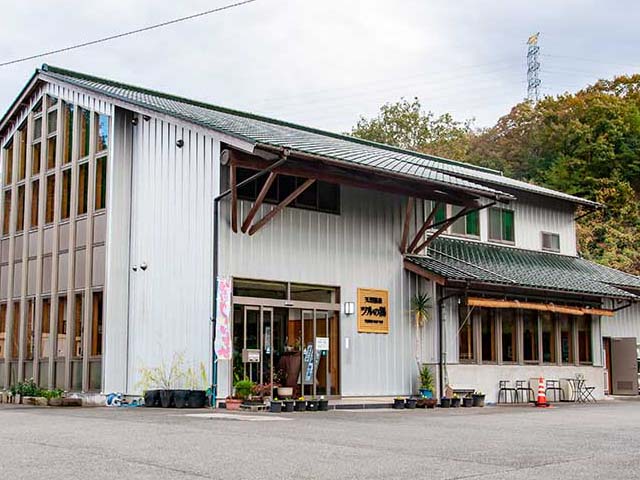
404,124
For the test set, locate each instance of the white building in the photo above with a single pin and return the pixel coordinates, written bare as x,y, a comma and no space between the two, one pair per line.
107,254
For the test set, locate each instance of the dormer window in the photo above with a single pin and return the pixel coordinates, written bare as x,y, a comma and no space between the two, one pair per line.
501,228
550,242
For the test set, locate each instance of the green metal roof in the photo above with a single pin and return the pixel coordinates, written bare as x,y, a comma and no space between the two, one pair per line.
262,130
476,262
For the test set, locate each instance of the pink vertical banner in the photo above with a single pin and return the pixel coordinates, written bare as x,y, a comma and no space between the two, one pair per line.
222,345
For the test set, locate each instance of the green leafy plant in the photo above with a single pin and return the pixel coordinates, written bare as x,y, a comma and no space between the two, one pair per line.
29,388
426,378
244,388
421,307
165,377
196,380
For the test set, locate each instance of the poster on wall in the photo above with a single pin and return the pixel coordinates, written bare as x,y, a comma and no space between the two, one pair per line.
373,311
222,345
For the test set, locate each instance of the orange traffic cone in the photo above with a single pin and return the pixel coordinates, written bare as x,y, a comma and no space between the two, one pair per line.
542,398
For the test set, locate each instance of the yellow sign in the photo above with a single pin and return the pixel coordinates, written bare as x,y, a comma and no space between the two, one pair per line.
373,311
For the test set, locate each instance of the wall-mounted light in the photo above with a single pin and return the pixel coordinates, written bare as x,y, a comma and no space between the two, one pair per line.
180,143
349,308
146,118
134,121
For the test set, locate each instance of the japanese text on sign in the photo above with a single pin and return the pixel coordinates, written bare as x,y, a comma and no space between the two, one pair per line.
373,311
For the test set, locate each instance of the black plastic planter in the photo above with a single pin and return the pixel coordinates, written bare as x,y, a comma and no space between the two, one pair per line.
398,403
478,400
455,402
467,402
288,405
312,406
275,407
410,403
323,405
300,406
445,402
181,398
152,398
197,399
166,398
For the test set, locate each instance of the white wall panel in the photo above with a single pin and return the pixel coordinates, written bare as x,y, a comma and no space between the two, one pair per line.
625,323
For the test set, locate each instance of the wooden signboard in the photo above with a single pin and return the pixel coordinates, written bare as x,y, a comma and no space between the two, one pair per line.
373,311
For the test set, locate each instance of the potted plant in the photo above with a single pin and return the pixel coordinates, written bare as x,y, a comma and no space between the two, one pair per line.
323,404
275,406
197,385
426,382
478,399
410,403
300,405
287,405
467,401
164,379
455,401
312,405
398,403
445,402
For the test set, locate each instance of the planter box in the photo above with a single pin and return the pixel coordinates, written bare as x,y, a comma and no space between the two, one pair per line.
275,407
181,398
197,399
445,402
478,400
288,405
166,398
455,402
323,405
410,403
232,403
467,402
312,405
300,406
398,403
152,398
55,402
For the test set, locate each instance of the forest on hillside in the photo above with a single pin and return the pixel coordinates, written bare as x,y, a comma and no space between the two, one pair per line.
585,143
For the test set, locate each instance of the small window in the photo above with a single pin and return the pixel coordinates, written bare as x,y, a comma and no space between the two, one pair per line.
102,133
66,194
37,128
61,343
101,183
78,326
83,187
467,225
51,101
501,226
67,116
51,190
550,242
96,325
20,216
85,129
35,197
45,350
6,221
52,121
3,327
35,158
530,336
51,153
441,212
22,154
8,164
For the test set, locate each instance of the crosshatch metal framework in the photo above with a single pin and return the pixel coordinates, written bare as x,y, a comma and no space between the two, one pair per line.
52,248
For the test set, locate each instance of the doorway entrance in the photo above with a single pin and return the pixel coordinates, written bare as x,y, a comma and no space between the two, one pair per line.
286,343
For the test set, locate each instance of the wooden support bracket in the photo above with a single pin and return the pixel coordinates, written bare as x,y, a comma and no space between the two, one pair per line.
258,203
425,226
407,222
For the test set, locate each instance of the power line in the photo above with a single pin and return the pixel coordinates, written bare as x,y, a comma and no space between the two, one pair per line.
125,34
590,60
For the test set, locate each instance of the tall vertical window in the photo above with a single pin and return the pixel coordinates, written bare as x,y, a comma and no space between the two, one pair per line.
51,153
51,191
566,339
467,225
101,183
78,326
20,207
96,325
30,329
22,153
8,164
45,345
83,187
530,336
52,121
441,212
548,337
66,194
465,336
35,158
509,340
37,128
501,226
67,118
61,341
6,219
15,331
102,132
3,328
488,331
85,129
35,198
584,339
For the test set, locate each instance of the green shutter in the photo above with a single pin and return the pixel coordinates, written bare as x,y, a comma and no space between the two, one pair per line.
473,223
507,225
441,213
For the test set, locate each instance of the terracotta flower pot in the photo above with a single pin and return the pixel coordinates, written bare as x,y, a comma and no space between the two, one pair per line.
232,403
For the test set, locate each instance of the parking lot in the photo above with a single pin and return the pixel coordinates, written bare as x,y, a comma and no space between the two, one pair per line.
567,442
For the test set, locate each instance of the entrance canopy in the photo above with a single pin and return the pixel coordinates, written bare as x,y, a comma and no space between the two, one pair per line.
453,262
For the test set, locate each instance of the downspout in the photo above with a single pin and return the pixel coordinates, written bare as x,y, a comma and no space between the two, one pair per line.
216,254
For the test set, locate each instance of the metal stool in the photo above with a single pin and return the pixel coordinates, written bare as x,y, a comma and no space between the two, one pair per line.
523,386
554,386
505,389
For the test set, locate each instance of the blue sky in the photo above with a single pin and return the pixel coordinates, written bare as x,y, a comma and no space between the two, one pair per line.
326,63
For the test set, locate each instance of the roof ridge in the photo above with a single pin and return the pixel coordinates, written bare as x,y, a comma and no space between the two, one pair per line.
254,116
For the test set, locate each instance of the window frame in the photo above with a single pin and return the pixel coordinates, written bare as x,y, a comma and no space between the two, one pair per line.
502,211
454,210
551,235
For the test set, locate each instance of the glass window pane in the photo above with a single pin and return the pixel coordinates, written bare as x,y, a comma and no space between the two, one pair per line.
509,345
85,129
51,189
459,226
35,158
51,101
67,116
328,197
37,128
566,338
101,183
78,326
488,331
22,154
45,345
473,223
530,335
8,164
35,197
20,207
465,335
259,288
507,225
548,337
6,220
309,197
15,331
66,194
28,354
51,153
61,341
313,293
584,339
495,224
102,133
83,187
3,328
441,212
96,325
52,121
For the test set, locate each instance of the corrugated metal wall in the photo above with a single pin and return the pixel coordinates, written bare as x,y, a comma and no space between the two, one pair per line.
625,323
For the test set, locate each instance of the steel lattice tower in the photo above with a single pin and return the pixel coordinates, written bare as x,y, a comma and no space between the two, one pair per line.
533,66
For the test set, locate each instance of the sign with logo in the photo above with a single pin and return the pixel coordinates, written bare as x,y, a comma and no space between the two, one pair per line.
373,311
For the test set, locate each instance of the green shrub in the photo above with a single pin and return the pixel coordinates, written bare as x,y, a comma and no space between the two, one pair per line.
244,388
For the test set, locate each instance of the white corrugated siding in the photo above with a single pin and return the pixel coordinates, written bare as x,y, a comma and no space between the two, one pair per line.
625,323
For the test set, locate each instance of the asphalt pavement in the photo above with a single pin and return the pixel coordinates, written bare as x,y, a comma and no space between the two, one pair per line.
568,442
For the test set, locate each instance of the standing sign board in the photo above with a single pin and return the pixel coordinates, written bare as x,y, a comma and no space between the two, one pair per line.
373,311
